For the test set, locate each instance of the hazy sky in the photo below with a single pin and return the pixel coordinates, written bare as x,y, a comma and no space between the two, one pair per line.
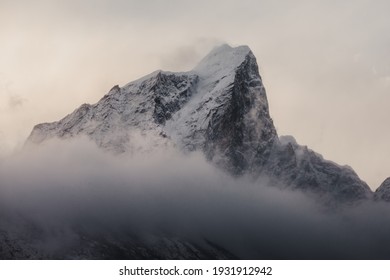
325,64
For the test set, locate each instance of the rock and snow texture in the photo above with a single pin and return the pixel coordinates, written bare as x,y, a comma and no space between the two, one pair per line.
219,108
383,192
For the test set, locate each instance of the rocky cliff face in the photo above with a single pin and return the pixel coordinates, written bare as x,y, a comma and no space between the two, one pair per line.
299,167
220,108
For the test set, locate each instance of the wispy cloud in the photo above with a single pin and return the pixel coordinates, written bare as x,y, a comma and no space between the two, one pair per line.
16,101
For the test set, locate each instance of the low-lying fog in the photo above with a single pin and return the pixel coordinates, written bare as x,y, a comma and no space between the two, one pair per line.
62,188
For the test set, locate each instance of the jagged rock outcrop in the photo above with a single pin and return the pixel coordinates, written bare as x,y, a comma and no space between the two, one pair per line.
383,192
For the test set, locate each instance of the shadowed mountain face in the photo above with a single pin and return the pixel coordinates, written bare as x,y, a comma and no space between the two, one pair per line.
219,108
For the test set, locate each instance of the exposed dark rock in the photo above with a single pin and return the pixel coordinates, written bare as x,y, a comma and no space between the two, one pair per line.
383,192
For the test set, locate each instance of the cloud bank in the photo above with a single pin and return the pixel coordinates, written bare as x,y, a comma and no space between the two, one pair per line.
57,197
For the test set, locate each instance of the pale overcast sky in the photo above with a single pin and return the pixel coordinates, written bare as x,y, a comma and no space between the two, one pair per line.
325,64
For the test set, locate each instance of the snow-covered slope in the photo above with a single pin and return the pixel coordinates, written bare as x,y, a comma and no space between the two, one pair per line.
219,108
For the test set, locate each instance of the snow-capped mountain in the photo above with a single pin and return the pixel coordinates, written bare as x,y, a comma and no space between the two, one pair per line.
220,108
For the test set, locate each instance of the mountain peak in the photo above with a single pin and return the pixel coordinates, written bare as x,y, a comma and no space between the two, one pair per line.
223,58
219,108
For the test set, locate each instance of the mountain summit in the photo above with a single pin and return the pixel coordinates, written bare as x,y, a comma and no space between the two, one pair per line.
220,108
